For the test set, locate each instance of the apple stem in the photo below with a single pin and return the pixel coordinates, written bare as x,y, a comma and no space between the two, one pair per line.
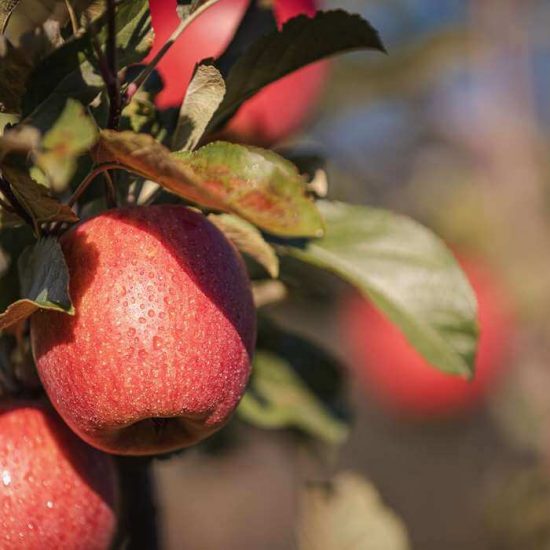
138,515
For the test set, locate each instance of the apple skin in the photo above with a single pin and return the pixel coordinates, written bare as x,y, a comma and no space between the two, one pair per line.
158,354
55,491
275,112
395,374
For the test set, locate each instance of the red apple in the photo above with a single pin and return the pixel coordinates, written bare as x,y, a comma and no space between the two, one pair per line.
398,377
56,492
158,354
275,112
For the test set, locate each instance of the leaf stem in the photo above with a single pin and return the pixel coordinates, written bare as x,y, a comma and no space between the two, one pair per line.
110,191
146,73
89,178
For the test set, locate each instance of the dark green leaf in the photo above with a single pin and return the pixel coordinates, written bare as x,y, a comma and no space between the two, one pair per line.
256,184
407,272
35,198
14,71
44,283
302,40
204,95
71,72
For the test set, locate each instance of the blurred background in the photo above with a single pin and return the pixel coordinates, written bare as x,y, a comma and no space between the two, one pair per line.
450,128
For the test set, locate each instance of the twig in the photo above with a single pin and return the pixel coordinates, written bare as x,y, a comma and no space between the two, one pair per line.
112,81
138,517
138,82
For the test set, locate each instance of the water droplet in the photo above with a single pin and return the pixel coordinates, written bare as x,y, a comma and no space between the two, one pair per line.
6,478
49,504
157,342
151,313
142,320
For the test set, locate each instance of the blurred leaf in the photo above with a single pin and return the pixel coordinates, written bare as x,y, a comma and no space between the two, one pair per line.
14,71
72,134
44,283
70,71
301,41
6,9
348,513
277,398
204,95
21,139
248,240
35,199
256,184
407,272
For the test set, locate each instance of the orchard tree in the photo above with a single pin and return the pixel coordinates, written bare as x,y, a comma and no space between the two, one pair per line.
139,248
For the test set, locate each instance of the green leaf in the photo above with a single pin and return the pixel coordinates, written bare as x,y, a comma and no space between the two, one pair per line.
72,134
248,240
256,184
70,71
204,95
347,512
44,280
277,398
302,40
35,198
407,272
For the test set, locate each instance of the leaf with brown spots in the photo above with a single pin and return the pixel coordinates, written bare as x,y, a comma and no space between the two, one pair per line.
256,184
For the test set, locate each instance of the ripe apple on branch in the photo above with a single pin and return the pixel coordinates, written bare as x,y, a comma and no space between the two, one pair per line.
124,237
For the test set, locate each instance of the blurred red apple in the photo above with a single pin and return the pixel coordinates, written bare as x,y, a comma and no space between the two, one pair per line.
56,492
158,354
398,377
276,111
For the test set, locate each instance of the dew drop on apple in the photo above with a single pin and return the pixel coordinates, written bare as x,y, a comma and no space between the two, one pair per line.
6,478
157,342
